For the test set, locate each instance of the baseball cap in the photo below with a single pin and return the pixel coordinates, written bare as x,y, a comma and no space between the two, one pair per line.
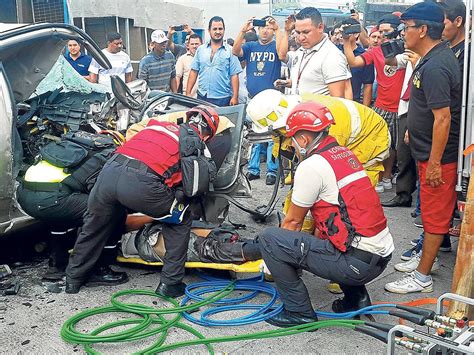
425,11
158,36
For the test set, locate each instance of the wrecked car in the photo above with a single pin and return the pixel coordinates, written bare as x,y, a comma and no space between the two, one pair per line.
41,102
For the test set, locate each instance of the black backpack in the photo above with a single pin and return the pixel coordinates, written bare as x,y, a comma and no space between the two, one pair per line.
198,170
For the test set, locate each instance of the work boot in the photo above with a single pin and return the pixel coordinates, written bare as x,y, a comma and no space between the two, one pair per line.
173,291
105,276
287,319
355,298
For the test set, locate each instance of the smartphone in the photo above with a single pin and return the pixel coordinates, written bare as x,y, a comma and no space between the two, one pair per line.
353,11
259,23
178,28
352,29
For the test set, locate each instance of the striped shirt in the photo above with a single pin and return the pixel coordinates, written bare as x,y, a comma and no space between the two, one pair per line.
157,71
120,66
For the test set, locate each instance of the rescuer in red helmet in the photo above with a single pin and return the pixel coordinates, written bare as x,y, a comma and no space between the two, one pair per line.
143,176
352,244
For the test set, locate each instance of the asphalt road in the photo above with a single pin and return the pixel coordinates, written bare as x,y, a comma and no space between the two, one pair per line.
30,322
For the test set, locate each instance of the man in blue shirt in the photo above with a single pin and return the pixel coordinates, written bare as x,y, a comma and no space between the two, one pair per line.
80,62
215,68
158,68
263,67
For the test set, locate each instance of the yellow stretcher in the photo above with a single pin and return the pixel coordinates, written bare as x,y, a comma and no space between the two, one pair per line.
249,266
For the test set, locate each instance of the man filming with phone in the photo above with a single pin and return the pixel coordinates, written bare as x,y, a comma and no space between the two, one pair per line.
362,78
390,81
263,67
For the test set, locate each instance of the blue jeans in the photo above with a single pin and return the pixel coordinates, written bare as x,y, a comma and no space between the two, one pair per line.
218,102
417,204
254,163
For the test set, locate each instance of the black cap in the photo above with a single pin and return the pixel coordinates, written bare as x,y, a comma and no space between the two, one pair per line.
391,19
425,11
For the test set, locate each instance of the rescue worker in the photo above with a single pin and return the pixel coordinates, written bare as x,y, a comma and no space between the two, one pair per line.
143,177
58,197
358,127
351,245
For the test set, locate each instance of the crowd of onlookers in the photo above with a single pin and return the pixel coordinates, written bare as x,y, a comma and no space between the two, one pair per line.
417,92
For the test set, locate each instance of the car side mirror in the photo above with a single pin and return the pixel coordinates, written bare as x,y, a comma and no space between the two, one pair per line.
123,94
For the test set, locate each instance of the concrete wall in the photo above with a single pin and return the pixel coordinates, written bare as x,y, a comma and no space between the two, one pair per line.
234,12
155,14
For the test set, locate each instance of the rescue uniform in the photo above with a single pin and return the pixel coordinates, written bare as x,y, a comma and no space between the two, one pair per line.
141,177
352,244
59,198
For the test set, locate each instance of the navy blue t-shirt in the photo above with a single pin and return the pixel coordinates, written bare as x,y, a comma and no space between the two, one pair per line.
360,76
263,66
81,64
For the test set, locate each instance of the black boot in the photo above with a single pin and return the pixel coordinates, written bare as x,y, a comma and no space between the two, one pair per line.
211,250
355,298
59,243
287,319
72,286
105,276
173,291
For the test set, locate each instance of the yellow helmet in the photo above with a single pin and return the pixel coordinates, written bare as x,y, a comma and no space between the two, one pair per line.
269,110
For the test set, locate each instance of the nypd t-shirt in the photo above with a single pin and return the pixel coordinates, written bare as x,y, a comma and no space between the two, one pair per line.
263,66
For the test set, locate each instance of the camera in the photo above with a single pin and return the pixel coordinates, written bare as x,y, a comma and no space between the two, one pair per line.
351,29
259,23
178,28
353,11
392,48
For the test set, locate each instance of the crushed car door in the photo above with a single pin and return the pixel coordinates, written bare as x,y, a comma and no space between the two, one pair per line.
10,154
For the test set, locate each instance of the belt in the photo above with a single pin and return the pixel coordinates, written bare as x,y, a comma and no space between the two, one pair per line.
135,164
45,186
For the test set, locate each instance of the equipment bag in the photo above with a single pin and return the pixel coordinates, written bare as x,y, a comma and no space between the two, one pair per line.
63,154
197,168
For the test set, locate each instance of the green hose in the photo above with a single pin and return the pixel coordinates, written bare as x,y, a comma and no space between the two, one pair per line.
152,316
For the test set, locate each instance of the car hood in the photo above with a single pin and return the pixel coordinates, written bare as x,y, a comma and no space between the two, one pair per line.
29,52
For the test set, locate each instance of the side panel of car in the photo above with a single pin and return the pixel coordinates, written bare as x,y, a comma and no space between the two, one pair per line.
6,152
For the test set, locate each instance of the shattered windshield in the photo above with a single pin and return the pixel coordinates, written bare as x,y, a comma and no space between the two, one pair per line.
62,74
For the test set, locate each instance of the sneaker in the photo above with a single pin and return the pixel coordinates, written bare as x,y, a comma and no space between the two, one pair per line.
418,222
386,183
251,176
414,242
446,244
270,180
409,284
394,179
379,187
409,253
412,264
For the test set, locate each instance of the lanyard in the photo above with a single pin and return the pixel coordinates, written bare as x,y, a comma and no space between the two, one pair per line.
302,67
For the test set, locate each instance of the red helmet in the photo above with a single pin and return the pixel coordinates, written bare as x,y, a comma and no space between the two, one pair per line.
204,117
308,116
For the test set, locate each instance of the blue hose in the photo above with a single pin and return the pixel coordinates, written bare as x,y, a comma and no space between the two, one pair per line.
255,285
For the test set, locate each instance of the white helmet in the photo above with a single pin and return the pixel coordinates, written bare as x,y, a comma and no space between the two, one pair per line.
270,108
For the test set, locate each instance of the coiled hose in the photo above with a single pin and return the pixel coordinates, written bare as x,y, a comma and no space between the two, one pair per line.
149,321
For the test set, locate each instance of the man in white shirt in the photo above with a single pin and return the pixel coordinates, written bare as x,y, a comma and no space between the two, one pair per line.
318,66
352,244
120,61
183,64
